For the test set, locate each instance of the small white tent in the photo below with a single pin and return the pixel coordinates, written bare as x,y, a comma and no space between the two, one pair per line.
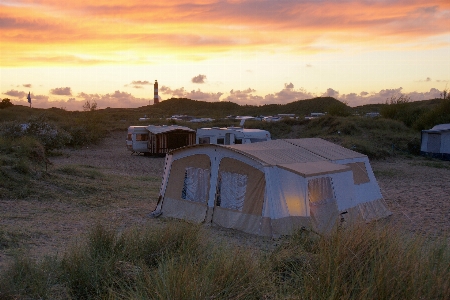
270,188
436,142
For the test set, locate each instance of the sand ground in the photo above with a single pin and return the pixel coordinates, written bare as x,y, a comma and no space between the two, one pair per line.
416,190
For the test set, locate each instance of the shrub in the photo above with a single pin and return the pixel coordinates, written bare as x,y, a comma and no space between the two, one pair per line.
5,103
49,135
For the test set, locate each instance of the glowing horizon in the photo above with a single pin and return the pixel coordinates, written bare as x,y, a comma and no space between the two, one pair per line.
249,52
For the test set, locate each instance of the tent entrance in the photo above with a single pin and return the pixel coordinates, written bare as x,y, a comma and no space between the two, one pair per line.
322,204
239,196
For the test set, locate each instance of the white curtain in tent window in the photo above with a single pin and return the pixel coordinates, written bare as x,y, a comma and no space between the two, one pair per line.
196,183
232,190
322,204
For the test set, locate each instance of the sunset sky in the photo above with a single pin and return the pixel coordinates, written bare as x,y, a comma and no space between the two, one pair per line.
249,52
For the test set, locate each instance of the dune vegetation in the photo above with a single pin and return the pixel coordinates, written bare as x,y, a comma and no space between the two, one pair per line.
180,261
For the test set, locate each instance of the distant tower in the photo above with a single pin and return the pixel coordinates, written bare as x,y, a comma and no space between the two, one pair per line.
155,97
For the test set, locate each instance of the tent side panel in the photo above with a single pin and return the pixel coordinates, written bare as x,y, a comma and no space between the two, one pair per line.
234,219
445,142
176,180
366,191
173,204
254,192
183,209
292,191
368,211
344,190
424,142
248,215
322,204
434,142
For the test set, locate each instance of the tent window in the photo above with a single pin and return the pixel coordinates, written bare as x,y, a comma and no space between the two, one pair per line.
195,186
320,190
322,204
359,171
231,190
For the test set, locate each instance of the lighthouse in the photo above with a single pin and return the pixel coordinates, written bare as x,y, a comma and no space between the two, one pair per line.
155,97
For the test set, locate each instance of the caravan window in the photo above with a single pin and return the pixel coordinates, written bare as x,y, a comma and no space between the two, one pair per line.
255,140
220,141
129,137
141,137
195,186
204,140
231,190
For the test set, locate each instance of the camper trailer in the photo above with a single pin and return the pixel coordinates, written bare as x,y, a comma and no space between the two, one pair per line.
231,136
158,140
137,139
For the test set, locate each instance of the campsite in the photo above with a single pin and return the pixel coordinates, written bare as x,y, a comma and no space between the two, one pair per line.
98,194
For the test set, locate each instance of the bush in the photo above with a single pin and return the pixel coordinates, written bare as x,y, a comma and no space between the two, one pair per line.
439,115
48,134
5,103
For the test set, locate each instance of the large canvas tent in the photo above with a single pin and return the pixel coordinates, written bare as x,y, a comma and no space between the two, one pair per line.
436,142
270,188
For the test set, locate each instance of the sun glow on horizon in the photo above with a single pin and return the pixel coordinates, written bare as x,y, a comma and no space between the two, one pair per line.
253,52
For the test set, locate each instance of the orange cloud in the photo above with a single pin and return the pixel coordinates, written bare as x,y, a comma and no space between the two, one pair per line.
72,32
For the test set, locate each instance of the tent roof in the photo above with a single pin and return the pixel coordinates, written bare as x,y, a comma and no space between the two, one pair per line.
292,154
163,129
438,128
308,169
276,152
325,149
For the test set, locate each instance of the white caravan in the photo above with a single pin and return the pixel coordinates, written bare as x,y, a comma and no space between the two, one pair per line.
231,136
137,139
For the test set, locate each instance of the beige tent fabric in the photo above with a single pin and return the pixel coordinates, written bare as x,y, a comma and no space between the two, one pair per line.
256,184
276,152
373,210
233,219
249,219
325,149
173,205
367,212
322,204
359,170
309,169
183,209
176,178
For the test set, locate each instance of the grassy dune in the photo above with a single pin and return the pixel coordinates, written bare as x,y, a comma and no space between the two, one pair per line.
178,262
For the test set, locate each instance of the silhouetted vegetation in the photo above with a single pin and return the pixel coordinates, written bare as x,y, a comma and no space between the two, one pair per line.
5,103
